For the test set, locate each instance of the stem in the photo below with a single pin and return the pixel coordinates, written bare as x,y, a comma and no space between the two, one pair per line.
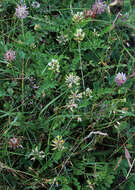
81,67
23,86
130,168
22,29
22,24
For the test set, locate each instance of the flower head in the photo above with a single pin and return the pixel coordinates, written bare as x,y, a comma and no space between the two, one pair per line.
35,4
9,55
72,105
21,11
88,92
14,143
88,13
79,119
58,143
37,27
54,65
75,96
78,17
62,39
99,7
120,78
79,35
72,79
35,153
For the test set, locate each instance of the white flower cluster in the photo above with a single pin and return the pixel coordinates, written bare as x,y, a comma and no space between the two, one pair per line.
72,105
75,97
35,4
77,17
79,35
62,39
72,80
88,92
36,154
54,65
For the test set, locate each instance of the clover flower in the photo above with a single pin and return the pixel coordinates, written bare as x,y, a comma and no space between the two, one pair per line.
35,4
35,153
75,96
73,99
88,13
120,78
62,39
37,27
88,92
79,119
14,143
79,35
21,11
57,143
99,7
78,17
72,105
9,55
54,65
72,79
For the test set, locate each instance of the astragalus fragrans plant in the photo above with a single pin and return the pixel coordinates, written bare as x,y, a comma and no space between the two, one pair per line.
67,95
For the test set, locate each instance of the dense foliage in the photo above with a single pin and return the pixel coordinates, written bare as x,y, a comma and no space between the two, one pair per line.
67,84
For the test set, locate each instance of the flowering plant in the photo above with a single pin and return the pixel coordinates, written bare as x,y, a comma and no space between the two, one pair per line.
67,93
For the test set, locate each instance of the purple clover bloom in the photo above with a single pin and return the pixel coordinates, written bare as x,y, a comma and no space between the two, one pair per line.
9,55
21,11
99,7
120,78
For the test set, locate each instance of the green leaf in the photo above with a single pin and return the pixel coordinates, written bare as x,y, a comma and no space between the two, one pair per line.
10,91
29,38
66,187
106,30
50,103
131,186
132,130
126,113
57,156
2,93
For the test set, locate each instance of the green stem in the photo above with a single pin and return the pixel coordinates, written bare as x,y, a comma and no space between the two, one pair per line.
23,86
81,67
22,29
22,24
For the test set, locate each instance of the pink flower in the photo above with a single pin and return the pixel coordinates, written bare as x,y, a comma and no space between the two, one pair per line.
9,55
99,7
21,11
120,78
14,143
